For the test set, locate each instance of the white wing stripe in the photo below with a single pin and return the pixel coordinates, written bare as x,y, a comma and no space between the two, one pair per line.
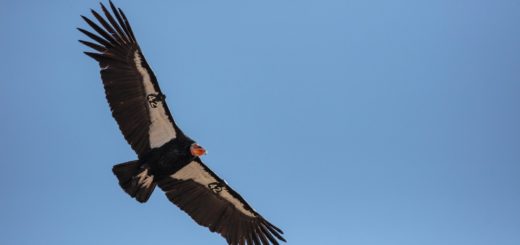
196,172
161,129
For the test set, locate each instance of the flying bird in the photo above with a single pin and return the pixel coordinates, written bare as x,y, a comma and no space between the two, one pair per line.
167,157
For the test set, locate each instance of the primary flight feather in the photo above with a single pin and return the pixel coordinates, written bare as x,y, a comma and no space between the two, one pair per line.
166,156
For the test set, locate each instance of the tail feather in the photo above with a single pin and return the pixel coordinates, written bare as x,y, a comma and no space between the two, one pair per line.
135,180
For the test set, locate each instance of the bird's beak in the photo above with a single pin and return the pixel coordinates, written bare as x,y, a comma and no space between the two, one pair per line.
197,150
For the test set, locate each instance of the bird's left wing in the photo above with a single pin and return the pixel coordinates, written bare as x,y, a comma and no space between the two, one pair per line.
213,204
131,88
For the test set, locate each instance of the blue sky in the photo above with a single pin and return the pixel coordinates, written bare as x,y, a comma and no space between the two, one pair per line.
342,122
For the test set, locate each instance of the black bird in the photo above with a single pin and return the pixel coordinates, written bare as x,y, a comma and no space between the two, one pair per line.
166,156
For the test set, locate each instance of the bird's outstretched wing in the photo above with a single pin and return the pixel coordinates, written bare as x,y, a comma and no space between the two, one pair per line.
131,88
212,203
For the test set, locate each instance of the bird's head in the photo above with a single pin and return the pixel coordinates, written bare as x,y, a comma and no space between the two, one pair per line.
197,150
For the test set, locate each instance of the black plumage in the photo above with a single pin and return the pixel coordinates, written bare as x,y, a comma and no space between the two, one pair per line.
166,156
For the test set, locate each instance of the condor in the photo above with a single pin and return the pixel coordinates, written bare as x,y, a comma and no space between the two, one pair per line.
166,156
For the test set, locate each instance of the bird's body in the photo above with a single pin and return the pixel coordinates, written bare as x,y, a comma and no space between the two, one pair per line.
169,158
166,156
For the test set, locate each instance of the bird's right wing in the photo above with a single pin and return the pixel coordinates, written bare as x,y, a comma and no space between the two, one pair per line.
131,88
213,204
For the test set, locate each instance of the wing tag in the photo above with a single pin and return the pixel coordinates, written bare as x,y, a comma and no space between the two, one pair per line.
154,99
216,187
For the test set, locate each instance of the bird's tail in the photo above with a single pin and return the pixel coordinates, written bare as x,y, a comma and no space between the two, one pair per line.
135,179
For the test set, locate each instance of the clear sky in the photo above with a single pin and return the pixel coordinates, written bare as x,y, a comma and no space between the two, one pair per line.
342,122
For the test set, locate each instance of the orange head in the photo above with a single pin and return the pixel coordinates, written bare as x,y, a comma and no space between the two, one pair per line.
197,150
